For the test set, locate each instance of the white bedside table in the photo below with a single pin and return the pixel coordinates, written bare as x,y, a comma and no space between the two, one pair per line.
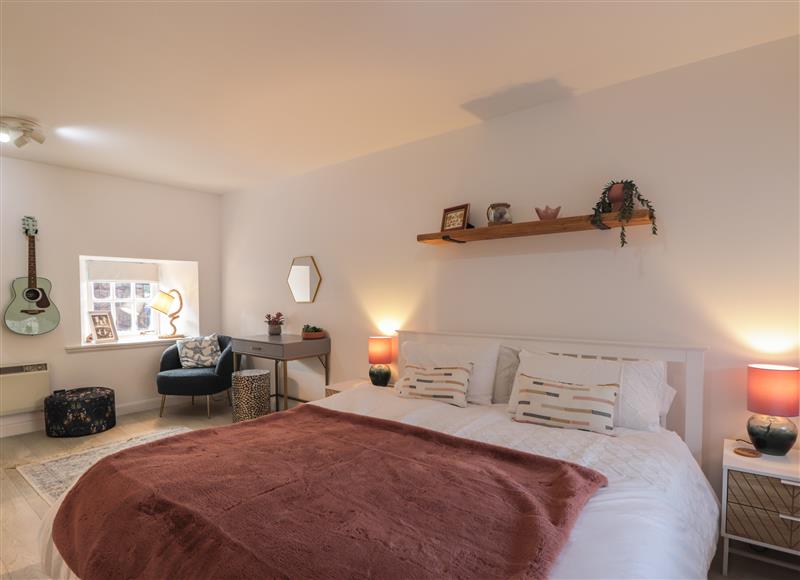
344,386
760,504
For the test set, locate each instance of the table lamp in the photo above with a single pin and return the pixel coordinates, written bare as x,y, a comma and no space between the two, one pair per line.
773,394
380,355
162,303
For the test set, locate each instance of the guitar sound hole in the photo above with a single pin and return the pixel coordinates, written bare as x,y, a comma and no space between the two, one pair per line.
33,294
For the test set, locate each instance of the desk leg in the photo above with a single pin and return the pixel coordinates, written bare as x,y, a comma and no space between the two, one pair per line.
274,379
327,369
237,361
285,380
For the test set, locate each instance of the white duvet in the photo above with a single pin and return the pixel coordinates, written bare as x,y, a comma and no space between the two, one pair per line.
656,519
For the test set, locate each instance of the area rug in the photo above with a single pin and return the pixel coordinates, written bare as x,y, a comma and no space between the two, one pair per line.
53,476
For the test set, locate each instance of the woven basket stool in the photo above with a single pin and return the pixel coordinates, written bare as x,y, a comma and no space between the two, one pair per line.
77,412
250,390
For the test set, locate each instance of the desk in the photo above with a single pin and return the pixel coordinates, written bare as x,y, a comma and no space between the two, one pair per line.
282,348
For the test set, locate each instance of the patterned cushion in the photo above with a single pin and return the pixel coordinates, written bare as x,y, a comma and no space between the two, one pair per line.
445,383
566,369
200,351
566,405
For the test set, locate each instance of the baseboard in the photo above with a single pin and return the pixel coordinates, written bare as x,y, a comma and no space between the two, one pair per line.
136,406
21,423
30,422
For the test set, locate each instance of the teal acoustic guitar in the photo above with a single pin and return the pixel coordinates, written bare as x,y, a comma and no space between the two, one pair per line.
31,311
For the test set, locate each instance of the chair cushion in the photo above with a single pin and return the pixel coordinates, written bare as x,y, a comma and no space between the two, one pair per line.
199,381
199,351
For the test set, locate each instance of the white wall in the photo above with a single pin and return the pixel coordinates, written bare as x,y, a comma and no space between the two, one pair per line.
82,213
713,144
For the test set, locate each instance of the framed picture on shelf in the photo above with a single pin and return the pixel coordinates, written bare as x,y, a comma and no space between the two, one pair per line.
455,218
103,329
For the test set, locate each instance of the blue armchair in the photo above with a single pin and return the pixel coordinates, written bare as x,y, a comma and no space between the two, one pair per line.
173,379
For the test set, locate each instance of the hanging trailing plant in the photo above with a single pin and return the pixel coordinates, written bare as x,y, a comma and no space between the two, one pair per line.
621,197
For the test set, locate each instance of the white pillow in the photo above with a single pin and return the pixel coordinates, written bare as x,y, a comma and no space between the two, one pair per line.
565,369
640,397
483,357
643,389
667,397
507,364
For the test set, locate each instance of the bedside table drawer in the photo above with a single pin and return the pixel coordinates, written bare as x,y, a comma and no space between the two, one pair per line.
762,492
763,526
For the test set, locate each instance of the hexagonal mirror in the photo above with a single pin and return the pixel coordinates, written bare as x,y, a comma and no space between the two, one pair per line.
304,279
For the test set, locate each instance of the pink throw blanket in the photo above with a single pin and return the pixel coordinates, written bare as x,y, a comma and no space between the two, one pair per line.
318,494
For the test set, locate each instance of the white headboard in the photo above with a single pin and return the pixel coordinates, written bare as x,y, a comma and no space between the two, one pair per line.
684,368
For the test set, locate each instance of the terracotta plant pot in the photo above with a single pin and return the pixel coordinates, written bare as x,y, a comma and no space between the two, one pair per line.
274,329
313,335
616,195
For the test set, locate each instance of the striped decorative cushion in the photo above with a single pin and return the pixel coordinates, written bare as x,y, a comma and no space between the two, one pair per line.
445,383
566,405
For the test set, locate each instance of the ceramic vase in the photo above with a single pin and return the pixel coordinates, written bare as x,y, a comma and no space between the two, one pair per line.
548,213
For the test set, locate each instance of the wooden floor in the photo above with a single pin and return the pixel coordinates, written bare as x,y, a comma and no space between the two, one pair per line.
21,508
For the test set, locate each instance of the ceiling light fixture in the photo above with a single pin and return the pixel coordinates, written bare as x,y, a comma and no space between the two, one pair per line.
25,130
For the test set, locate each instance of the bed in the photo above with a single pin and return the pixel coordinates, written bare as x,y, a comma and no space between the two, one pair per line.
656,518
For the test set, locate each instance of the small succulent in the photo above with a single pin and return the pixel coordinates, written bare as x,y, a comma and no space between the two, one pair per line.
311,328
274,319
630,195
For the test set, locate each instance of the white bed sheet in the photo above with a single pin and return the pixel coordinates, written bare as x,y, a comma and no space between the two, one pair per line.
657,518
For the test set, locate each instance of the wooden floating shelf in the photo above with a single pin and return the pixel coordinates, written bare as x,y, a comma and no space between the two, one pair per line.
576,223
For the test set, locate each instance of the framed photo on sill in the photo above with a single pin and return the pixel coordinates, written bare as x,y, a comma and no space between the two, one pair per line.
103,328
455,218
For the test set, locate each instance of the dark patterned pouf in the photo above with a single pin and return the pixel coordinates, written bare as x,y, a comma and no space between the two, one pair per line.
76,412
250,390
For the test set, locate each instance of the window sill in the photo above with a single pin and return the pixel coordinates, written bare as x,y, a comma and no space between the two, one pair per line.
146,343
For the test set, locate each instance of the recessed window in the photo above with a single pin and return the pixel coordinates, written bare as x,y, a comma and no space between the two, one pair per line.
129,301
125,287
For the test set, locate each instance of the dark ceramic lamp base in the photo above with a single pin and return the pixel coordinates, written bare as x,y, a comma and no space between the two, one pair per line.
380,375
771,435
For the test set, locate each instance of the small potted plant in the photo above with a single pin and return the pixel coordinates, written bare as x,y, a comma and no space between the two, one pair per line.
311,332
274,322
621,197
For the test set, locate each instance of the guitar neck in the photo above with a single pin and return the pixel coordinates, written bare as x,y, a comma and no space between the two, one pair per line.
31,261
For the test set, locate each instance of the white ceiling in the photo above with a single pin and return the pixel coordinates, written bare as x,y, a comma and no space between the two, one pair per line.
218,97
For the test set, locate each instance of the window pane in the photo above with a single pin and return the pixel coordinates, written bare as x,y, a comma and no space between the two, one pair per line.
122,315
144,317
143,290
122,290
105,306
102,290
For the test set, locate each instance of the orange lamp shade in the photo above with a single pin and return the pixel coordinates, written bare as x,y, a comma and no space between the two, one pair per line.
380,350
773,390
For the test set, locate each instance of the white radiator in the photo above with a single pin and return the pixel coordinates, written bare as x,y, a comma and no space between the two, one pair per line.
23,388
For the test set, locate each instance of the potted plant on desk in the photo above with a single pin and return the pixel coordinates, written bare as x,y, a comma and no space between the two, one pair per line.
274,322
311,332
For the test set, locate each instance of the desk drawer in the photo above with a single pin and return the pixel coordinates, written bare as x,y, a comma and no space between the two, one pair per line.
762,492
264,349
763,526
